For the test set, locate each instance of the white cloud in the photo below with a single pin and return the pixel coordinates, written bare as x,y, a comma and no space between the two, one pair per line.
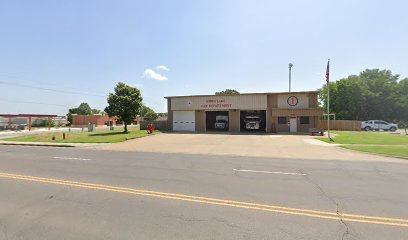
162,67
151,74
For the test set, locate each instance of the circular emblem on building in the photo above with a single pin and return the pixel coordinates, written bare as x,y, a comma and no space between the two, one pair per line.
292,101
189,103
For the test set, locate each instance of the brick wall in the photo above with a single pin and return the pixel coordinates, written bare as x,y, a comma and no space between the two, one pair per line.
98,120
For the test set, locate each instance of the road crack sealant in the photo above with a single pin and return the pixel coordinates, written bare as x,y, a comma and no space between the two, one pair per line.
331,199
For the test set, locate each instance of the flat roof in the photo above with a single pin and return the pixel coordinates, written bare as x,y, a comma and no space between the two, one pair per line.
27,115
264,93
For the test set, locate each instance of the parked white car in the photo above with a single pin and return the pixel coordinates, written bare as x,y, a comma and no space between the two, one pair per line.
378,125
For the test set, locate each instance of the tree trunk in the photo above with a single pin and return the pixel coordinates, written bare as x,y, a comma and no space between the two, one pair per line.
126,130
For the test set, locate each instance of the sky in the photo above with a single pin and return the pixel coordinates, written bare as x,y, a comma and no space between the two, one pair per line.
56,54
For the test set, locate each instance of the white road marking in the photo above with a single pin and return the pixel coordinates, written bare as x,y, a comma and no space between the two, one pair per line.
256,171
71,158
275,136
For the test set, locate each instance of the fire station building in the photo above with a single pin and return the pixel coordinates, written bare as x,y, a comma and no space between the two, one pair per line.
261,112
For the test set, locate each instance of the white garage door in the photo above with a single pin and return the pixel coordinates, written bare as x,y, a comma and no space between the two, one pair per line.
184,121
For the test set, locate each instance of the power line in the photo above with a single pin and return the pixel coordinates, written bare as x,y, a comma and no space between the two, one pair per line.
50,89
29,102
42,82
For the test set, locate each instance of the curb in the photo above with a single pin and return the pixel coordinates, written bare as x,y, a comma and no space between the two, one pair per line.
65,144
37,144
130,138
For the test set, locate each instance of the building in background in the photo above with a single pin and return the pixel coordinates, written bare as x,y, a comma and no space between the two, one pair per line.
23,121
97,119
251,112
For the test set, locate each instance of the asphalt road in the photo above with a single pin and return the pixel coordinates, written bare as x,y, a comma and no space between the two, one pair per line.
68,193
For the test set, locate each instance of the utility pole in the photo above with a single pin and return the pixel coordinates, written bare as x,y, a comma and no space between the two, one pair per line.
290,76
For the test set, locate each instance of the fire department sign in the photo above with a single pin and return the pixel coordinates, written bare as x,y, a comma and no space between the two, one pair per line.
292,101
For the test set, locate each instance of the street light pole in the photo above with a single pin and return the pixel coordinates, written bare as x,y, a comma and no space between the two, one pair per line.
290,76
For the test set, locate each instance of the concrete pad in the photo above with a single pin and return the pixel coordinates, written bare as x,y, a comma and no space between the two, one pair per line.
276,146
319,143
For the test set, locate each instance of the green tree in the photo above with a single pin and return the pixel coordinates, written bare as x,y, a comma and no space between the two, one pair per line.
401,102
42,123
373,94
333,96
162,114
379,94
145,110
150,116
97,111
125,104
227,92
82,109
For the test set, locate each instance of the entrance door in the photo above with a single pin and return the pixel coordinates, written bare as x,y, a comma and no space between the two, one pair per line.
293,125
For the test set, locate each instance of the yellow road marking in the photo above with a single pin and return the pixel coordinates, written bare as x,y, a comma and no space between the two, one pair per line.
220,202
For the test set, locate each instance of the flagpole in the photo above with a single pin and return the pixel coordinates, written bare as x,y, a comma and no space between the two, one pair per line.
328,100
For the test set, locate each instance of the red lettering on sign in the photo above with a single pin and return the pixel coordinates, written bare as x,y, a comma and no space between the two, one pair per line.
216,103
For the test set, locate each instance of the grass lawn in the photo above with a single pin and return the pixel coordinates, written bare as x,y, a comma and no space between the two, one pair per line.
381,143
82,137
400,151
367,138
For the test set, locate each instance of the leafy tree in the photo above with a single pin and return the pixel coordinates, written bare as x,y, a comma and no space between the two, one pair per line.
125,104
333,96
145,110
150,116
162,114
401,102
42,123
373,94
97,111
404,125
82,109
227,92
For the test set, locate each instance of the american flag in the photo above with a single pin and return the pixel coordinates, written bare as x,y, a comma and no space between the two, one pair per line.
328,71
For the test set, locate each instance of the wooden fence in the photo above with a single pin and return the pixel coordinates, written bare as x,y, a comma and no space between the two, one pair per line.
342,125
159,125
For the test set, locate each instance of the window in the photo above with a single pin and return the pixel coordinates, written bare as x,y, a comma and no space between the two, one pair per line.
304,120
282,120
